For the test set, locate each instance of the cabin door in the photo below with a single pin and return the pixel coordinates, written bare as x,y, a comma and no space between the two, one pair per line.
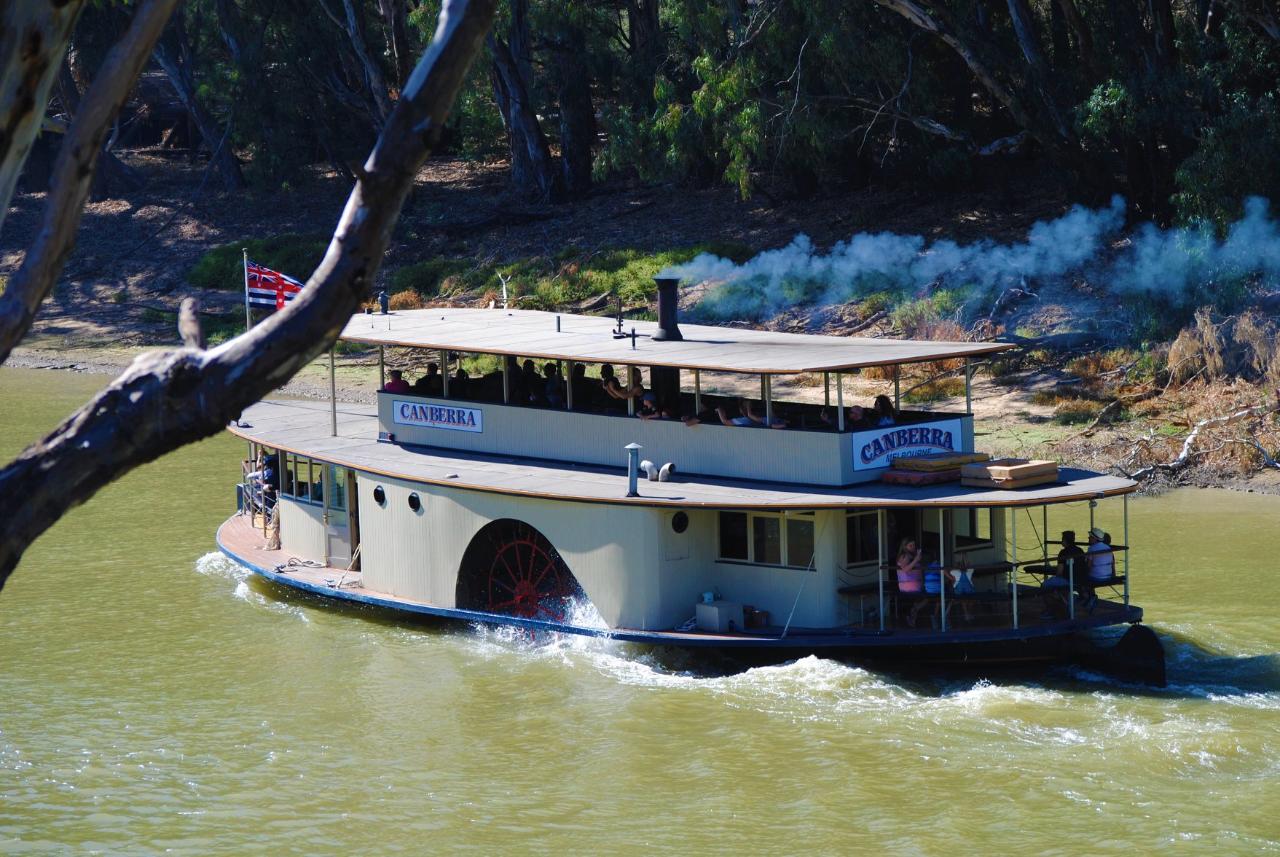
338,544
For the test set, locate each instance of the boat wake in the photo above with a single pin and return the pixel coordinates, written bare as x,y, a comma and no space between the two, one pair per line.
216,564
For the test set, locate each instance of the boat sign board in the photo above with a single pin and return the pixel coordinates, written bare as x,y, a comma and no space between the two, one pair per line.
437,416
876,448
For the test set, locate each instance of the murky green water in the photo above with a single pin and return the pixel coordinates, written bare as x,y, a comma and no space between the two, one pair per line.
153,699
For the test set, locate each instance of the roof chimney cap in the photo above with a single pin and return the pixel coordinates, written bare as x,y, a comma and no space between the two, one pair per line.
668,308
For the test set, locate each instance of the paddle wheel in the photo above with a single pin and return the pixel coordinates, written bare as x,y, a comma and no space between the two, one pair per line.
512,569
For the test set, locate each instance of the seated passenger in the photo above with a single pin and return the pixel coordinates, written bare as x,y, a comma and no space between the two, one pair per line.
855,418
883,413
264,483
582,392
1054,590
429,384
460,384
609,385
747,417
397,384
635,385
1102,567
533,383
648,408
554,387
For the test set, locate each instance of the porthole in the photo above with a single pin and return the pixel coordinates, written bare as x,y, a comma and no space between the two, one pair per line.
414,503
680,522
379,496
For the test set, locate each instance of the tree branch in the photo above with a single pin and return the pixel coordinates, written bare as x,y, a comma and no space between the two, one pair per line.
168,399
73,173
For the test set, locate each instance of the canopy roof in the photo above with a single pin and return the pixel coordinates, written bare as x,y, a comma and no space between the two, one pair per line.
589,339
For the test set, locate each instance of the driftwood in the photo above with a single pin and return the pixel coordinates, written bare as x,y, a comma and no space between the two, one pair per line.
1188,452
167,399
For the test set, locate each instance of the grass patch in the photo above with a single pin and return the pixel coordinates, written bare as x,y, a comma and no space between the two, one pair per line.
1070,412
290,253
933,391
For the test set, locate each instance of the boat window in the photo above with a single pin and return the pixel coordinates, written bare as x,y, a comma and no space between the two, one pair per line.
338,479
303,479
862,537
733,536
799,541
767,538
973,528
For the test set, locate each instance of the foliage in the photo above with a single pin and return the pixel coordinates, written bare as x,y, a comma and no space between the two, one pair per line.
290,253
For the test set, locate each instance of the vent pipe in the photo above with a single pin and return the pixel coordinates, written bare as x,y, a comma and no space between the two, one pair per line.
668,329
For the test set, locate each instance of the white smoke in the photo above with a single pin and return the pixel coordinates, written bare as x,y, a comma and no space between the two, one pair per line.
1180,266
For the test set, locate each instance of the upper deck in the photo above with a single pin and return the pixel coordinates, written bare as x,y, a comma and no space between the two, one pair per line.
304,428
590,339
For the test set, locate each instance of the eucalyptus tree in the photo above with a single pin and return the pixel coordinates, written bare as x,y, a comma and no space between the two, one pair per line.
167,399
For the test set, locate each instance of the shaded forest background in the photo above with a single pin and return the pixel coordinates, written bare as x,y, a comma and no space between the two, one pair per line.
1172,104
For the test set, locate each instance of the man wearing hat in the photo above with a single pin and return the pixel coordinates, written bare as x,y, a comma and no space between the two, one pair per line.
1056,589
1102,565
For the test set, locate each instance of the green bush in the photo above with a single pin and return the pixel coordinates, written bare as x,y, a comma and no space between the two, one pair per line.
1237,157
291,253
425,277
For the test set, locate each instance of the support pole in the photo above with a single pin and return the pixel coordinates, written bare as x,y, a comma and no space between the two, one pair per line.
968,388
1044,528
248,314
568,388
333,394
840,401
1128,549
382,366
697,392
942,562
1013,516
1071,587
897,387
766,389
506,372
444,373
880,534
826,389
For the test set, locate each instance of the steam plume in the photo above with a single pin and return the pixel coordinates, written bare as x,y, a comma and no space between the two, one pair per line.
1179,266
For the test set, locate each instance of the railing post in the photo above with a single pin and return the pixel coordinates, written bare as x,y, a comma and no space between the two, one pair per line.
1071,587
840,401
880,566
1013,516
1128,549
968,388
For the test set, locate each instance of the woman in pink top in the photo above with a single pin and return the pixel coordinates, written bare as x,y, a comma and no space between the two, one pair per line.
911,575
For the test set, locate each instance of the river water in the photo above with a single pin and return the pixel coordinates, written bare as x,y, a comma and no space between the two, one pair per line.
154,699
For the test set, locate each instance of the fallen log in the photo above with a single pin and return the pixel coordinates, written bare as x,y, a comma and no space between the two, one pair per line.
1186,456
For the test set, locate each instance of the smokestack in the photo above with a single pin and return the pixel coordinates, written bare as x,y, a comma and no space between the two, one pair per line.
668,329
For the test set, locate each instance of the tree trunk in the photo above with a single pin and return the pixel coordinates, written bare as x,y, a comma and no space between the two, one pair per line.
168,399
33,41
74,171
645,30
1083,36
1024,28
526,134
352,25
521,167
174,57
1163,35
394,18
577,115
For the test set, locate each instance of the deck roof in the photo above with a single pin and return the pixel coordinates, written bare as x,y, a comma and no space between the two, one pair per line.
304,427
589,339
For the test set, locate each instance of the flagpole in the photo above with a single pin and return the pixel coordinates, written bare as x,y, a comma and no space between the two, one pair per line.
248,314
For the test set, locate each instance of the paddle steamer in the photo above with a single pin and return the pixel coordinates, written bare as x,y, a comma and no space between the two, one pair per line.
471,502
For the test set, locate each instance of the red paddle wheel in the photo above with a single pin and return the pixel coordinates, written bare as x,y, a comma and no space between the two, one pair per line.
512,569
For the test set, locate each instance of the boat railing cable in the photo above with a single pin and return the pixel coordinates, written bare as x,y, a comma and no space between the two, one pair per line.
813,555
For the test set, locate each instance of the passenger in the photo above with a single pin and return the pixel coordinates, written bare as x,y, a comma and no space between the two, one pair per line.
397,384
554,387
1055,589
1102,566
533,383
648,407
747,417
883,413
635,385
855,418
579,387
431,383
264,482
911,576
460,384
609,385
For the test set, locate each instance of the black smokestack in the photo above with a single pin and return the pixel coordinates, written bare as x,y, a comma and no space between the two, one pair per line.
668,329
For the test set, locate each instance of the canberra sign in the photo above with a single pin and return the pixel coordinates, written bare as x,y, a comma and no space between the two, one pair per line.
437,416
877,447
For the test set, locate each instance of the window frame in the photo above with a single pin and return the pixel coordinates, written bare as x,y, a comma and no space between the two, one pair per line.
784,518
874,514
297,464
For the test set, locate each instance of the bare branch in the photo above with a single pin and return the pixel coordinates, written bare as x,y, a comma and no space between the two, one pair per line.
73,173
168,399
